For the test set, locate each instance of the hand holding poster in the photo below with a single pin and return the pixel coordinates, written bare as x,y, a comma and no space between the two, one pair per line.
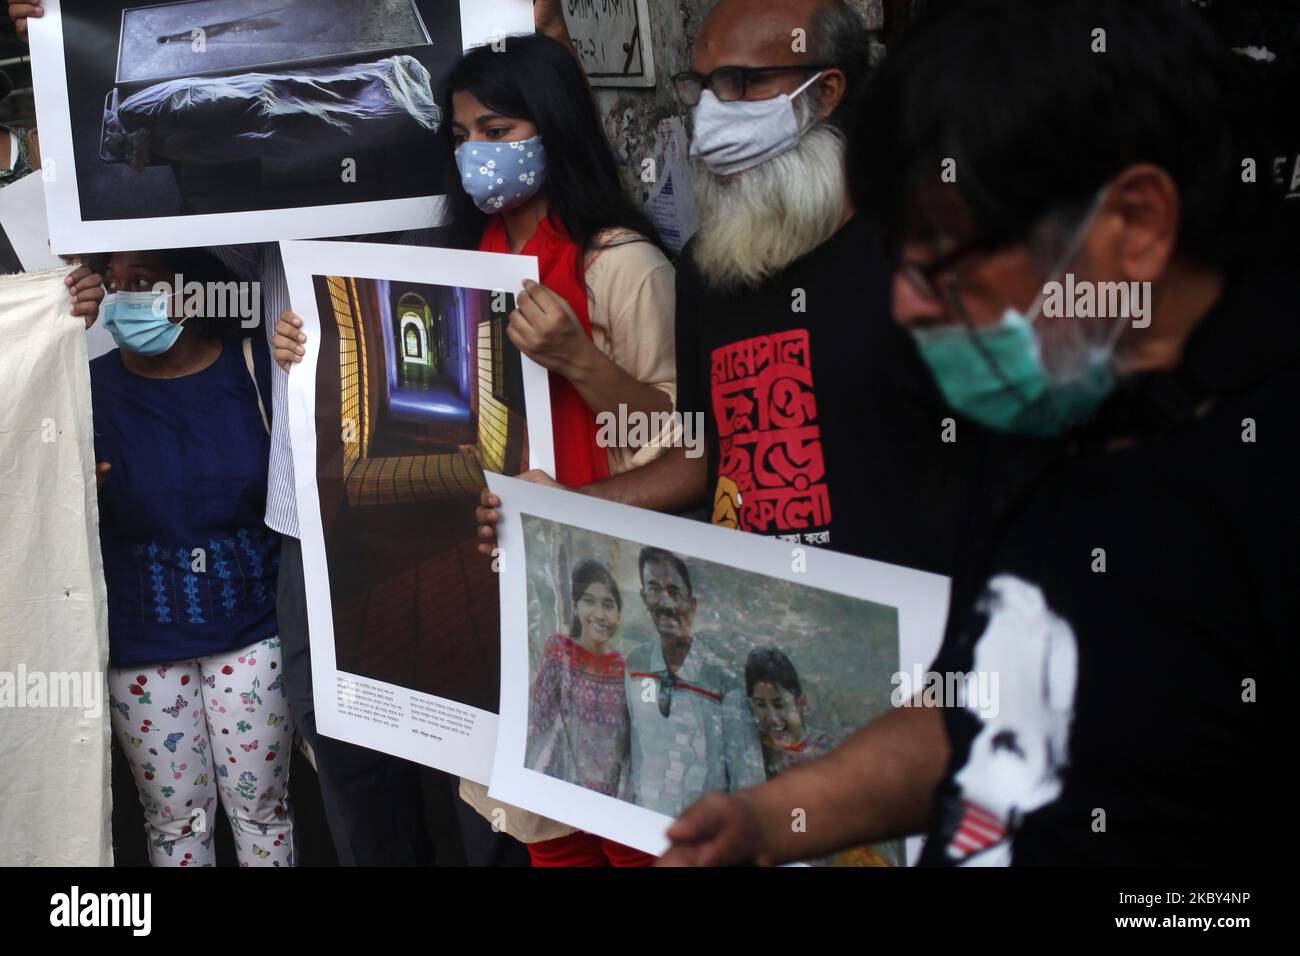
648,660
408,392
25,245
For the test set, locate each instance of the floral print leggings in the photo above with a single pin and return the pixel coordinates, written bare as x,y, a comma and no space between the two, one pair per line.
191,729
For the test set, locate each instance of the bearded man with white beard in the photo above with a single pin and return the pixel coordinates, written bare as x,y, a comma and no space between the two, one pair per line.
822,425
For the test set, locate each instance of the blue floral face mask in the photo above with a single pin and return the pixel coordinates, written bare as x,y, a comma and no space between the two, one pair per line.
502,176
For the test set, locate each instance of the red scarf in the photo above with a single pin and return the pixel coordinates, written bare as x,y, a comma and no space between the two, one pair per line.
579,460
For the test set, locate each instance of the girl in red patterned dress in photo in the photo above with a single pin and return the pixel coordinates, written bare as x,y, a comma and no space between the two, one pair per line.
578,722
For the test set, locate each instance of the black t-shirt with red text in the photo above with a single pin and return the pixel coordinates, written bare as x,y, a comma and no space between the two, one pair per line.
822,423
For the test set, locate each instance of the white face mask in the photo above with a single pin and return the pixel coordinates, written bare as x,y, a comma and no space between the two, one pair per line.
733,136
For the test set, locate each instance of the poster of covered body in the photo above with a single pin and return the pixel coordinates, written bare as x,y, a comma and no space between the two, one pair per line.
249,120
409,391
648,660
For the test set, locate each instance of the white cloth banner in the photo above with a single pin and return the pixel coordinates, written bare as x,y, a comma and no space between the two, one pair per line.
23,222
55,800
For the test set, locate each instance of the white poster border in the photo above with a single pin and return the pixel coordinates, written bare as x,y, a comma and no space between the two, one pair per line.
469,755
920,597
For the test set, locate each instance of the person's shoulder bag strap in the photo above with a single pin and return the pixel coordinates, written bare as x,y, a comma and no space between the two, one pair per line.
248,361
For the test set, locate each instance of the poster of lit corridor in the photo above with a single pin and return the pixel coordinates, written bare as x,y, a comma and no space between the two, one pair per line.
413,391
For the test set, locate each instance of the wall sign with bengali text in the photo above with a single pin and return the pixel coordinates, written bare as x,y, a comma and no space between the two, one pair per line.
613,40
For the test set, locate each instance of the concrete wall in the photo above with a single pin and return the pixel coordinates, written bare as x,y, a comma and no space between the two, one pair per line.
639,121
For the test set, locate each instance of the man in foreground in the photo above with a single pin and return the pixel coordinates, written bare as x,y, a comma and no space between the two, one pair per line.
1137,591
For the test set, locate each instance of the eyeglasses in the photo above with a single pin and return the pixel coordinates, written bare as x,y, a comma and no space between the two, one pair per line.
730,83
667,681
925,278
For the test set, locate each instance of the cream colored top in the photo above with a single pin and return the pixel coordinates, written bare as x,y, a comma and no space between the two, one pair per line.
632,297
632,300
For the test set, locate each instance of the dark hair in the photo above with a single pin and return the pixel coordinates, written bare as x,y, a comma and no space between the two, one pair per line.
195,265
1037,123
769,665
537,79
199,265
585,574
660,556
838,34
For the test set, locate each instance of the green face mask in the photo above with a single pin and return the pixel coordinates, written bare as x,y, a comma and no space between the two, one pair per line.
995,376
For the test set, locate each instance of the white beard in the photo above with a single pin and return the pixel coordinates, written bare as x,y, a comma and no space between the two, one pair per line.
755,223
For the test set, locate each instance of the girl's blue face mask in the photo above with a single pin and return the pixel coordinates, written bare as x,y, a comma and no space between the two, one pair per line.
138,322
502,176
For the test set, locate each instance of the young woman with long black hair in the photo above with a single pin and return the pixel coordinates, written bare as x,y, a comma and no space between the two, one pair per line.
538,178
